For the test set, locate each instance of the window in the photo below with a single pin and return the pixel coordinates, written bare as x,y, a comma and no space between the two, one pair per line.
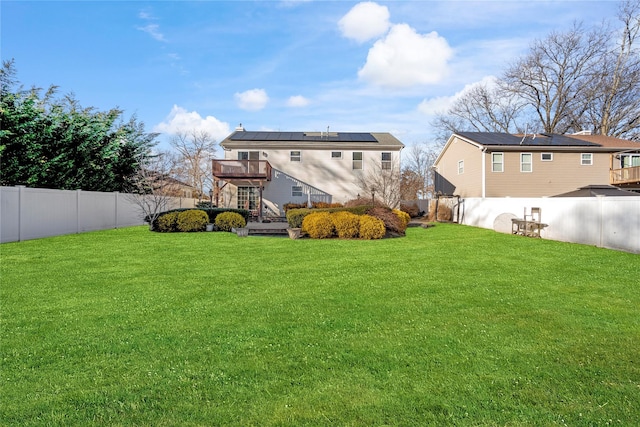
357,160
546,157
497,162
526,164
629,160
247,198
460,167
296,191
336,154
295,156
386,161
586,159
248,155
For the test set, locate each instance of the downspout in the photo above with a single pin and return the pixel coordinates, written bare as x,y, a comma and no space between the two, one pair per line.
484,172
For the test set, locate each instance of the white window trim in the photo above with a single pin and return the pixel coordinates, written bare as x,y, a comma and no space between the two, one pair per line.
522,163
361,161
386,164
460,167
542,159
582,163
501,163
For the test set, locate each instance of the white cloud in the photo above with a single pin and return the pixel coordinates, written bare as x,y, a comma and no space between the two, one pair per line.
181,120
405,58
152,29
252,100
441,104
297,101
365,21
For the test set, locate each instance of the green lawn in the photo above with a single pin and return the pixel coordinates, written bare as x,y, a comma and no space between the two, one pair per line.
450,325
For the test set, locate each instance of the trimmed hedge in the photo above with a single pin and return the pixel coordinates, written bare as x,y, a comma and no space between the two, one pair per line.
228,220
296,216
192,220
371,228
346,224
211,214
318,225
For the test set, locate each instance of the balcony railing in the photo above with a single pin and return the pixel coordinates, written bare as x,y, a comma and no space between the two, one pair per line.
630,175
242,169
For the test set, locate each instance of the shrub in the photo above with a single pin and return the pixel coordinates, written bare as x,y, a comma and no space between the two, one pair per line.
371,227
167,222
403,216
318,225
346,224
228,220
295,217
413,210
391,221
192,220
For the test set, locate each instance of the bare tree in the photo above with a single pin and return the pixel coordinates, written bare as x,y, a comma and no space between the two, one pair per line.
383,182
153,186
556,78
483,108
615,109
416,172
195,149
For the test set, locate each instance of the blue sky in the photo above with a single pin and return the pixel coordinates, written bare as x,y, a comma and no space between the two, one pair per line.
382,66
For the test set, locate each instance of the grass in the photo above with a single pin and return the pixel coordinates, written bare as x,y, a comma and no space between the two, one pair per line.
450,325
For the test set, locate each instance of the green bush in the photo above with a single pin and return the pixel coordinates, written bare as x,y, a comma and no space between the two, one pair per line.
318,225
228,220
192,220
347,224
211,213
295,217
371,227
167,222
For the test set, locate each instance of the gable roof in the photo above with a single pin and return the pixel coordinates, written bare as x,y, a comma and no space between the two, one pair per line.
316,140
547,140
496,141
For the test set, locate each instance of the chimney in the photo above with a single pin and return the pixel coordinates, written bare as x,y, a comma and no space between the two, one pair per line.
239,128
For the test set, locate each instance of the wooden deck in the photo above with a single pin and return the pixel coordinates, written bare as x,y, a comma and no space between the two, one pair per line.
242,170
629,176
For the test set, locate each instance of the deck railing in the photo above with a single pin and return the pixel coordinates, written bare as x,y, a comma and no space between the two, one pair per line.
242,169
630,175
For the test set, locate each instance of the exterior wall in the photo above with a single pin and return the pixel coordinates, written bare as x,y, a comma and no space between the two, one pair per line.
547,178
32,213
322,177
469,183
608,222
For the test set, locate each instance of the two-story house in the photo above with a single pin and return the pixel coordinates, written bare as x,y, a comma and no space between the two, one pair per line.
263,171
485,164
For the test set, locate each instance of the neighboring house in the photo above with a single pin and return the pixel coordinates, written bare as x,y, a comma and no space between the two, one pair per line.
298,167
486,164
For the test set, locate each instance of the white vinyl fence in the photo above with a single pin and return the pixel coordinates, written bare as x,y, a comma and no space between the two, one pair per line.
607,222
32,213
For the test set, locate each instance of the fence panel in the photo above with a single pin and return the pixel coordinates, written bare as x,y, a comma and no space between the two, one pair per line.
608,222
32,213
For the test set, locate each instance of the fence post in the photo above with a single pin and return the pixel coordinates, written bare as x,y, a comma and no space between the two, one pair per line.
78,211
21,195
115,193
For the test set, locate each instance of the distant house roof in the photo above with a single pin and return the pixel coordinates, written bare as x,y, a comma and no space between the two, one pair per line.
548,141
327,140
598,190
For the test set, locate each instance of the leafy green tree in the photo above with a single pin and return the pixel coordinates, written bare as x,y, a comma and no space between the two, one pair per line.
54,142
